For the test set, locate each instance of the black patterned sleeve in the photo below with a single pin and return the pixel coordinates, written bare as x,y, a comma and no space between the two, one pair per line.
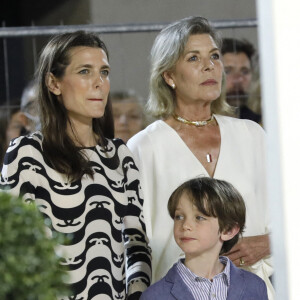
138,253
20,168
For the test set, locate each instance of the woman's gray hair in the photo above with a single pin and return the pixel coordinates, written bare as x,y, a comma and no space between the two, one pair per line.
167,48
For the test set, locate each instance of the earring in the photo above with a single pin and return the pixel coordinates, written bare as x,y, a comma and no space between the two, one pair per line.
173,86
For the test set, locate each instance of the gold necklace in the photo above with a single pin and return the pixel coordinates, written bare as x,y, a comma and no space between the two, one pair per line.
195,123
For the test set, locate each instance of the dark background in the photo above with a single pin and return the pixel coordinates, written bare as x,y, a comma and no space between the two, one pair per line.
15,13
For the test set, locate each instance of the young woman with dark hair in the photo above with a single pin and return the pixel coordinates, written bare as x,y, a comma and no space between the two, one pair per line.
82,180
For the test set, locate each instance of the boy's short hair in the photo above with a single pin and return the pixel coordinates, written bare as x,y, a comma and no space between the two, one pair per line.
214,198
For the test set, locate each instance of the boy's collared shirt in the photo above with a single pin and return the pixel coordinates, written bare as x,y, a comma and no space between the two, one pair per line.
203,288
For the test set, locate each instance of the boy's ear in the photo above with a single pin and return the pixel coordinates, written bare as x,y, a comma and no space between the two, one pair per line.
53,84
227,235
167,75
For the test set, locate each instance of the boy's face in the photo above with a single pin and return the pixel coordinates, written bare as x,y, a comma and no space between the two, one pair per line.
195,233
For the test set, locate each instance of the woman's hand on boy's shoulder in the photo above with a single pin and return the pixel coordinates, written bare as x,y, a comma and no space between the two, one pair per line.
249,250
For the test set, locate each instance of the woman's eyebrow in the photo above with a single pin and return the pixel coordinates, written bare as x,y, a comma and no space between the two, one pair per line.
105,67
89,66
197,51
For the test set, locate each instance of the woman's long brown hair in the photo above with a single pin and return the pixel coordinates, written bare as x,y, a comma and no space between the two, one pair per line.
59,149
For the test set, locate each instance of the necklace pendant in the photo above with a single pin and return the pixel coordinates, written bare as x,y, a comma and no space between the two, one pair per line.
208,158
195,123
200,123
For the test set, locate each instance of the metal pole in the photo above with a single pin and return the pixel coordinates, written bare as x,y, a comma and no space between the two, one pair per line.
6,74
118,28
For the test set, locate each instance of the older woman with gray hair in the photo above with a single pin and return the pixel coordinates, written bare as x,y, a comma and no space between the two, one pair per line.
194,136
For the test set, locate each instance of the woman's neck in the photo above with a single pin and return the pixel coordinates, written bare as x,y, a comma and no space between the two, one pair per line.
82,134
197,111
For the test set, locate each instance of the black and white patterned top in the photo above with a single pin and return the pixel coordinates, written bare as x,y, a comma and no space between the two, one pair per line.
103,215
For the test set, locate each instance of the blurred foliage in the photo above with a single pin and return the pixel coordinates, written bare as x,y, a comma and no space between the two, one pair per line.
29,268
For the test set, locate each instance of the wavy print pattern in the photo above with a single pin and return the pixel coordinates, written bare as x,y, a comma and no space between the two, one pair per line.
103,215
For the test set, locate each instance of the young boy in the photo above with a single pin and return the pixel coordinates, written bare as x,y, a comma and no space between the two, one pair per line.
208,216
